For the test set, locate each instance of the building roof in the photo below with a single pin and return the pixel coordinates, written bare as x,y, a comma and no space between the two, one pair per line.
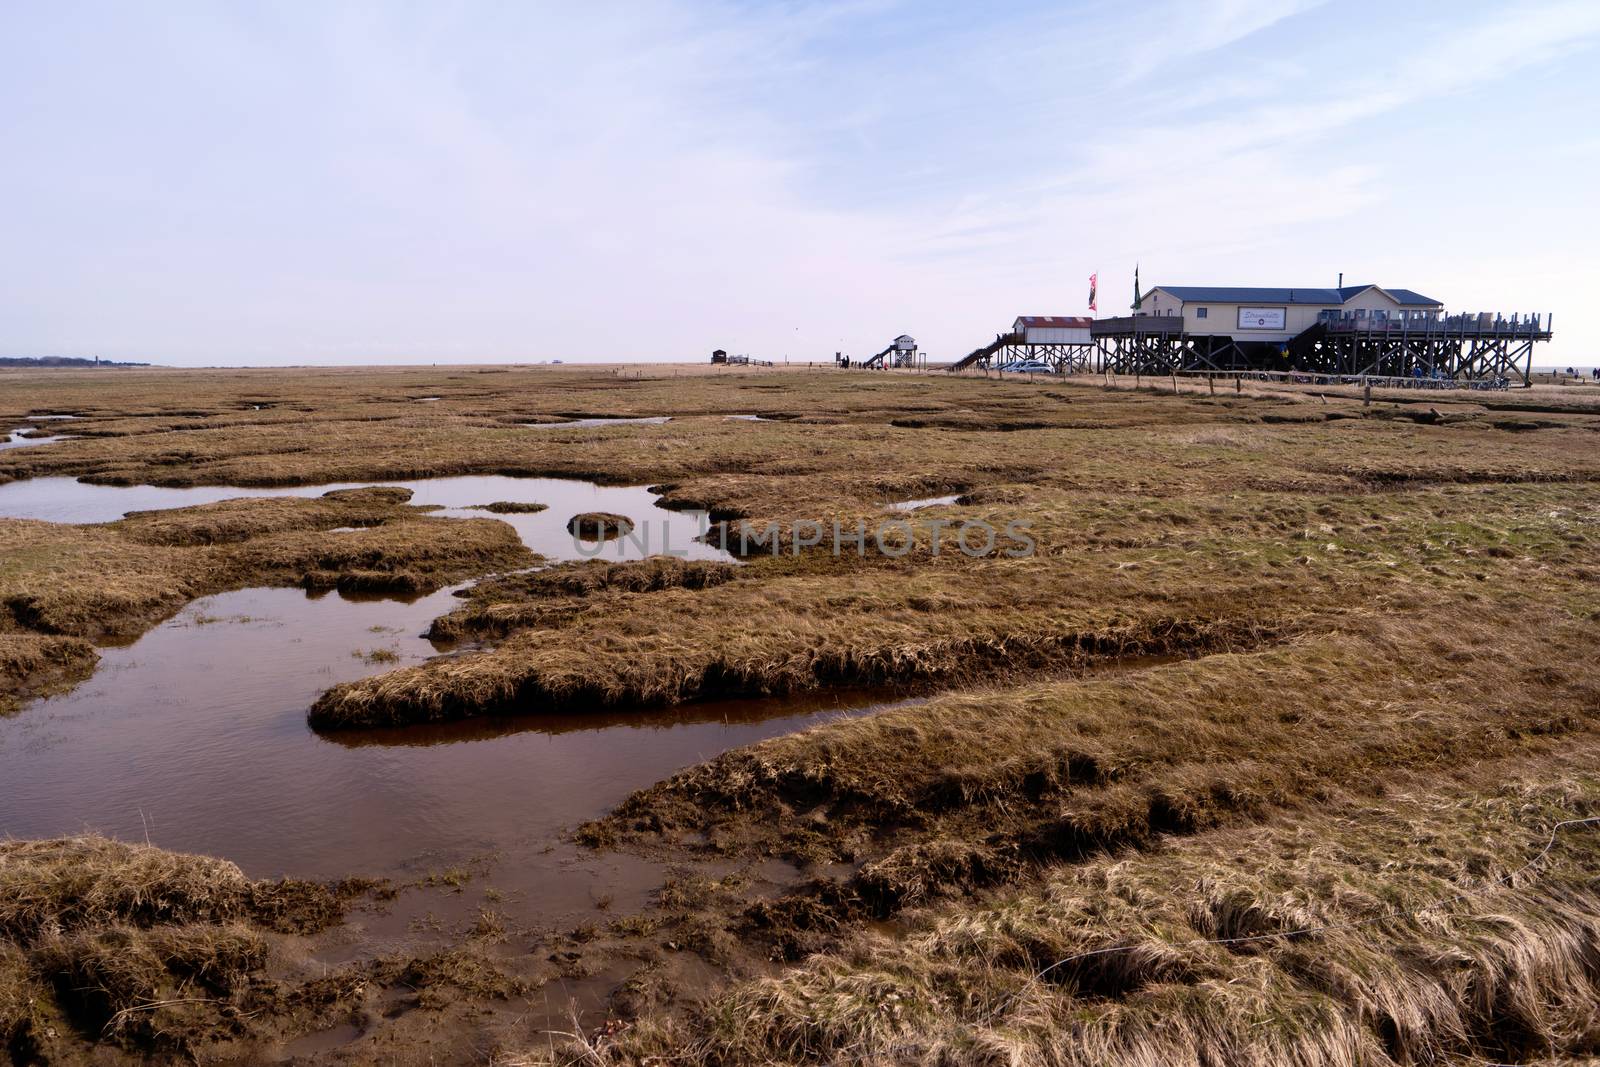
1223,294
1055,322
1408,296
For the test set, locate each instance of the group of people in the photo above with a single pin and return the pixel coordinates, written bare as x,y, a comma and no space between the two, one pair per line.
1574,373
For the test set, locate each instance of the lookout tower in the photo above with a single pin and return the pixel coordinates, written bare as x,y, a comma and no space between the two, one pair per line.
905,351
901,352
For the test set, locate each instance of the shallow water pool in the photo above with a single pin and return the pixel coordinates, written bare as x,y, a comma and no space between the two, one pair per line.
194,736
657,530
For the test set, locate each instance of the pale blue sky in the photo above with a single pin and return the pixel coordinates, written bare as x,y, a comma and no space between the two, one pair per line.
382,182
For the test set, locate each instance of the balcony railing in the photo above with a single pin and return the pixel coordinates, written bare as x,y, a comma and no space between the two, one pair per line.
1480,324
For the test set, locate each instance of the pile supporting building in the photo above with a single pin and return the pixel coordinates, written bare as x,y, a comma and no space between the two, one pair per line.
1352,331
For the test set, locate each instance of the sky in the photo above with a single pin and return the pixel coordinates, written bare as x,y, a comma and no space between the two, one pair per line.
333,183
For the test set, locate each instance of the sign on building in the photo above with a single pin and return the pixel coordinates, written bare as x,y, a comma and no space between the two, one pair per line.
1261,318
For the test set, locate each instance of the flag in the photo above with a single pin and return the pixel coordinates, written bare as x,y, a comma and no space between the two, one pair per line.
1136,297
1094,283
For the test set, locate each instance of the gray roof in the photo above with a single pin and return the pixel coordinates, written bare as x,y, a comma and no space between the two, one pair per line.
1410,296
1223,294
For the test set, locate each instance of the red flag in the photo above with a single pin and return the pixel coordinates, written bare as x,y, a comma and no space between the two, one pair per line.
1094,284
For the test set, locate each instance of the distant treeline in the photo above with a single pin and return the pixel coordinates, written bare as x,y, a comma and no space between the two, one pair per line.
61,361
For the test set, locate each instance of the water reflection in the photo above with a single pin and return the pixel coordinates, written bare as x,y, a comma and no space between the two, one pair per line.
579,424
15,439
196,734
725,712
924,502
659,530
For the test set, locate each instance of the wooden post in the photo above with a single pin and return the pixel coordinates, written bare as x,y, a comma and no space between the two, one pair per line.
1238,383
1211,380
1366,395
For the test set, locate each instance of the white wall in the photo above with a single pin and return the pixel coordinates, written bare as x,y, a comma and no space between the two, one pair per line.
1222,319
1038,335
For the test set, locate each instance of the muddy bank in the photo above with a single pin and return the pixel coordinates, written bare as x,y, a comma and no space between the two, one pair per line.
133,948
1462,927
33,665
122,954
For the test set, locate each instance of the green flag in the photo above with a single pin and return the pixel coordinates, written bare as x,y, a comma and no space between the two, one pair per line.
1136,297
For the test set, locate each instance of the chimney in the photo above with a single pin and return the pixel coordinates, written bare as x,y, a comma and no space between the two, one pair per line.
1341,279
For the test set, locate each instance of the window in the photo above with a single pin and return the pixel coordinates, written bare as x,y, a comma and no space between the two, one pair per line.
1200,313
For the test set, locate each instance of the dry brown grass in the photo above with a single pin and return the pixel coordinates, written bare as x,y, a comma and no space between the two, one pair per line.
968,790
1428,938
497,606
132,944
52,887
1169,577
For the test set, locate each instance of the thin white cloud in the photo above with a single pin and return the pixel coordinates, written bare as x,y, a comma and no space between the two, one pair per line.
1165,33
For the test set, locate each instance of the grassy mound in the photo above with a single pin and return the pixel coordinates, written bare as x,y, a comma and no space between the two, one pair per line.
500,605
148,949
599,525
511,507
530,673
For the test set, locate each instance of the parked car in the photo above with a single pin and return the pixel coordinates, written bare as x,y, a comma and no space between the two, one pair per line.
1028,366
